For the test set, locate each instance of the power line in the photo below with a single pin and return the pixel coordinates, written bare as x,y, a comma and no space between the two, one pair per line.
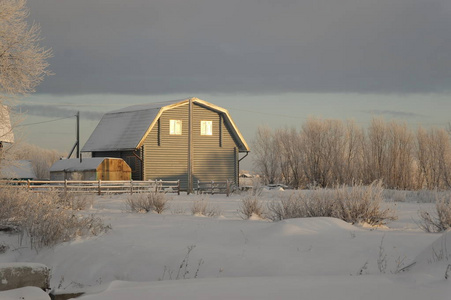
54,120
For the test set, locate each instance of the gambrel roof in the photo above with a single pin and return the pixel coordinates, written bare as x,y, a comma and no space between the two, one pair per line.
127,128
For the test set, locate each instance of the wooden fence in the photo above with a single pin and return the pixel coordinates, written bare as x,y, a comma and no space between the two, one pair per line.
100,187
212,187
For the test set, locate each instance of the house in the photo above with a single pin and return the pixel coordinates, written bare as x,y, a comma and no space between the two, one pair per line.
99,168
18,170
6,134
186,140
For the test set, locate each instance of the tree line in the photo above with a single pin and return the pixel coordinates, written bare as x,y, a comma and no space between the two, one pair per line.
327,152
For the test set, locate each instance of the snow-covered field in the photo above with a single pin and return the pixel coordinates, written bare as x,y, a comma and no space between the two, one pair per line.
179,256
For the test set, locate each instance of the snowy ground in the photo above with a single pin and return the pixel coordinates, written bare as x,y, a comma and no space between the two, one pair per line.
176,255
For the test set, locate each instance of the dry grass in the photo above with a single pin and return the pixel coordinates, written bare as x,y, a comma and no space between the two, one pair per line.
440,220
144,203
42,219
356,204
251,206
202,207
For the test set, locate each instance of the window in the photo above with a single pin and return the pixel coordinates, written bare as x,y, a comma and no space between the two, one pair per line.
206,127
175,127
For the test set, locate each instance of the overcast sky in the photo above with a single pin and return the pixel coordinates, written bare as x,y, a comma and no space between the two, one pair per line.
268,61
252,46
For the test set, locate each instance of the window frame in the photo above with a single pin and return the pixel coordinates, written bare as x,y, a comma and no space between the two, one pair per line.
175,127
206,128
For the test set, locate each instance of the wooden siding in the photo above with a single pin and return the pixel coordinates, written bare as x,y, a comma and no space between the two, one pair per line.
113,169
214,155
165,155
128,157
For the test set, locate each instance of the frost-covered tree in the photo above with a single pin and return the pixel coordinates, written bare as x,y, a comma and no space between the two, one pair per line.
23,62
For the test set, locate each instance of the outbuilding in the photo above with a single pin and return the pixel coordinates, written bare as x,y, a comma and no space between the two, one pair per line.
97,168
18,170
186,140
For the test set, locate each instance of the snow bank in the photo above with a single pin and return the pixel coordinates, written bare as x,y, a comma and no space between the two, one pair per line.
436,257
25,293
270,288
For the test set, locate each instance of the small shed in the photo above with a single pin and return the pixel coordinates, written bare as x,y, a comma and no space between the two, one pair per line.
96,168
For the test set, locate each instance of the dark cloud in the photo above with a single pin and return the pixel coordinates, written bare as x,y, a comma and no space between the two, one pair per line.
255,46
56,112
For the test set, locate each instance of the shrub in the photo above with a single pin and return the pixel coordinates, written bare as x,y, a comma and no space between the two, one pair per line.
147,202
159,201
250,205
352,204
75,201
202,207
42,219
362,204
438,221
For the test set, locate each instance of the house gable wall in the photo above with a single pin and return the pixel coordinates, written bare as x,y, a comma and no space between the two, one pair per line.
165,155
214,155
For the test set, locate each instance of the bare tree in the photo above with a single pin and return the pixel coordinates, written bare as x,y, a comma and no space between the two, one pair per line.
434,157
290,156
23,62
353,153
376,151
399,156
41,159
266,154
325,153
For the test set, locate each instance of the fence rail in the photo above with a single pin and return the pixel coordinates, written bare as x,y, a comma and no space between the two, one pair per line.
212,187
97,186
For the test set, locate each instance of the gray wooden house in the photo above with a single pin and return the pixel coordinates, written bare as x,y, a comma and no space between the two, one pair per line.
186,140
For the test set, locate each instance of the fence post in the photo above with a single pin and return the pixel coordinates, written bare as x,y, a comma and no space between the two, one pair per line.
28,184
65,186
178,187
156,186
228,188
212,187
100,187
131,187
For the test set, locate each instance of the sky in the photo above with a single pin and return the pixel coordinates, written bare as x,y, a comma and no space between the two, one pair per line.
268,62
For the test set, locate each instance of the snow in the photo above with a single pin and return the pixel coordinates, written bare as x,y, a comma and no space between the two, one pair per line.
25,293
176,255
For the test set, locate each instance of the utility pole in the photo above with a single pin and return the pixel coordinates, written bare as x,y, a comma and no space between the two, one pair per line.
77,143
190,146
78,134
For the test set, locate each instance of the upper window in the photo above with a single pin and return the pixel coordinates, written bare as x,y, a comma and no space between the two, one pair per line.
206,127
175,127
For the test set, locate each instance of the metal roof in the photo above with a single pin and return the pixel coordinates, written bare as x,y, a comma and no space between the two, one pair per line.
74,164
127,128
